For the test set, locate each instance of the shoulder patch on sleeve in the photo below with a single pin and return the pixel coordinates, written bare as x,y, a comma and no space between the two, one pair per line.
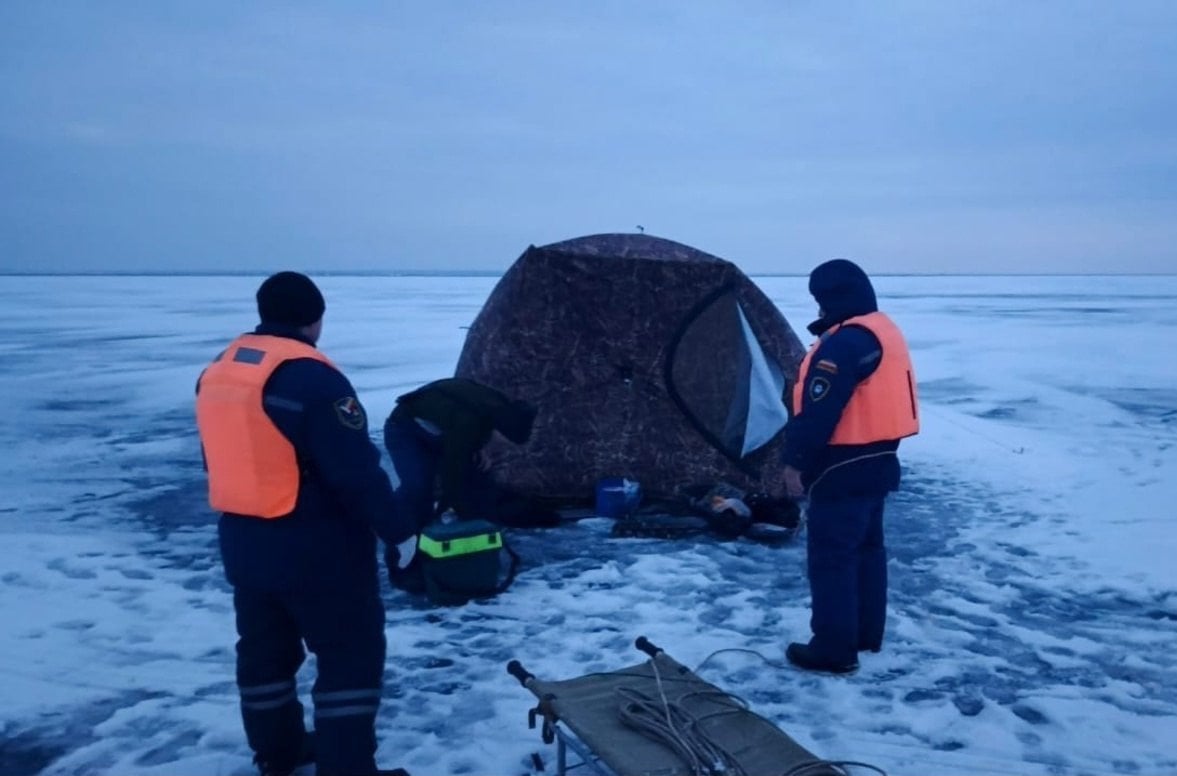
818,388
827,366
350,413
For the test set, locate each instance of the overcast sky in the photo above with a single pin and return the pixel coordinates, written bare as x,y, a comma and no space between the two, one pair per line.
938,136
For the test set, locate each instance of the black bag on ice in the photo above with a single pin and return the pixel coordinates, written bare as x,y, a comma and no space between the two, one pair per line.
462,559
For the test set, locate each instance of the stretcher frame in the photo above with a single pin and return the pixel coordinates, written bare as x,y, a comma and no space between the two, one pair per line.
583,715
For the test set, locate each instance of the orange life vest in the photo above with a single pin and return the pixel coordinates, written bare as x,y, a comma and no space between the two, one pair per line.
885,405
252,467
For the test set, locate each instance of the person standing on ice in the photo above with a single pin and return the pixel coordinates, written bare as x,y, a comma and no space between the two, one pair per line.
854,399
303,499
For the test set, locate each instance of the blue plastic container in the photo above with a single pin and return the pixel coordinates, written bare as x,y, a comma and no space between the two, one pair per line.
617,497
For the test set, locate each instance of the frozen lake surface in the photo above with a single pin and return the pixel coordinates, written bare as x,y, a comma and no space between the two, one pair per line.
1033,607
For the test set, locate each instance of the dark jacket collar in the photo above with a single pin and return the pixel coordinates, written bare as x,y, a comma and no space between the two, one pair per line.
280,330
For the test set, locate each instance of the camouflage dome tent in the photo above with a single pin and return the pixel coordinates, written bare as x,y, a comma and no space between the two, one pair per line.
646,359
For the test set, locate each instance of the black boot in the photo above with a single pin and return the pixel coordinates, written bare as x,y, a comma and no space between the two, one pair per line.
305,756
802,656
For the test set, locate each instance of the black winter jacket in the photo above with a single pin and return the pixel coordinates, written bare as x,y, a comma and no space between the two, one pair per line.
467,414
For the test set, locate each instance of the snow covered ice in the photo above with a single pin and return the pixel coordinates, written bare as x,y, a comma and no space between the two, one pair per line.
1033,608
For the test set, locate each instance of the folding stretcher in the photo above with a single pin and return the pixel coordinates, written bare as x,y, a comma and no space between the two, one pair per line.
658,718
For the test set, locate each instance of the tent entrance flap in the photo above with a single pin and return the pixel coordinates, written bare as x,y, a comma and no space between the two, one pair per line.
766,414
723,380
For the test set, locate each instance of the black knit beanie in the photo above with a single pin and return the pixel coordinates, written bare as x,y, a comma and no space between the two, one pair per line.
290,299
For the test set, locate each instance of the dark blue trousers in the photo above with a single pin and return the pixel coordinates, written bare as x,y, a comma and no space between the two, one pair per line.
345,631
847,576
415,456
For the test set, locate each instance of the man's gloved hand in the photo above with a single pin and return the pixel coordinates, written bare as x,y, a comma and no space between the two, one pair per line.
403,553
404,566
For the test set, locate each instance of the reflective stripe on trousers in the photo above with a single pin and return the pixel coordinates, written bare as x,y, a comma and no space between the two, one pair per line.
346,703
263,697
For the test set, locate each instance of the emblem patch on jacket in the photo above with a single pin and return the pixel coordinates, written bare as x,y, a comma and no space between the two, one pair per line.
350,413
827,366
819,388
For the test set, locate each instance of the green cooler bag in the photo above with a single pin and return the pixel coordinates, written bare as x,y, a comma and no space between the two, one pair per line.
461,559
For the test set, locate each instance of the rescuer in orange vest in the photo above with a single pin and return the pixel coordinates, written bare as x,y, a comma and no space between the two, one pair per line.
854,399
302,498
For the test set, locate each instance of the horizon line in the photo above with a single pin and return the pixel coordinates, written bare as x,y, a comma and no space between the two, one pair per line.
499,273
